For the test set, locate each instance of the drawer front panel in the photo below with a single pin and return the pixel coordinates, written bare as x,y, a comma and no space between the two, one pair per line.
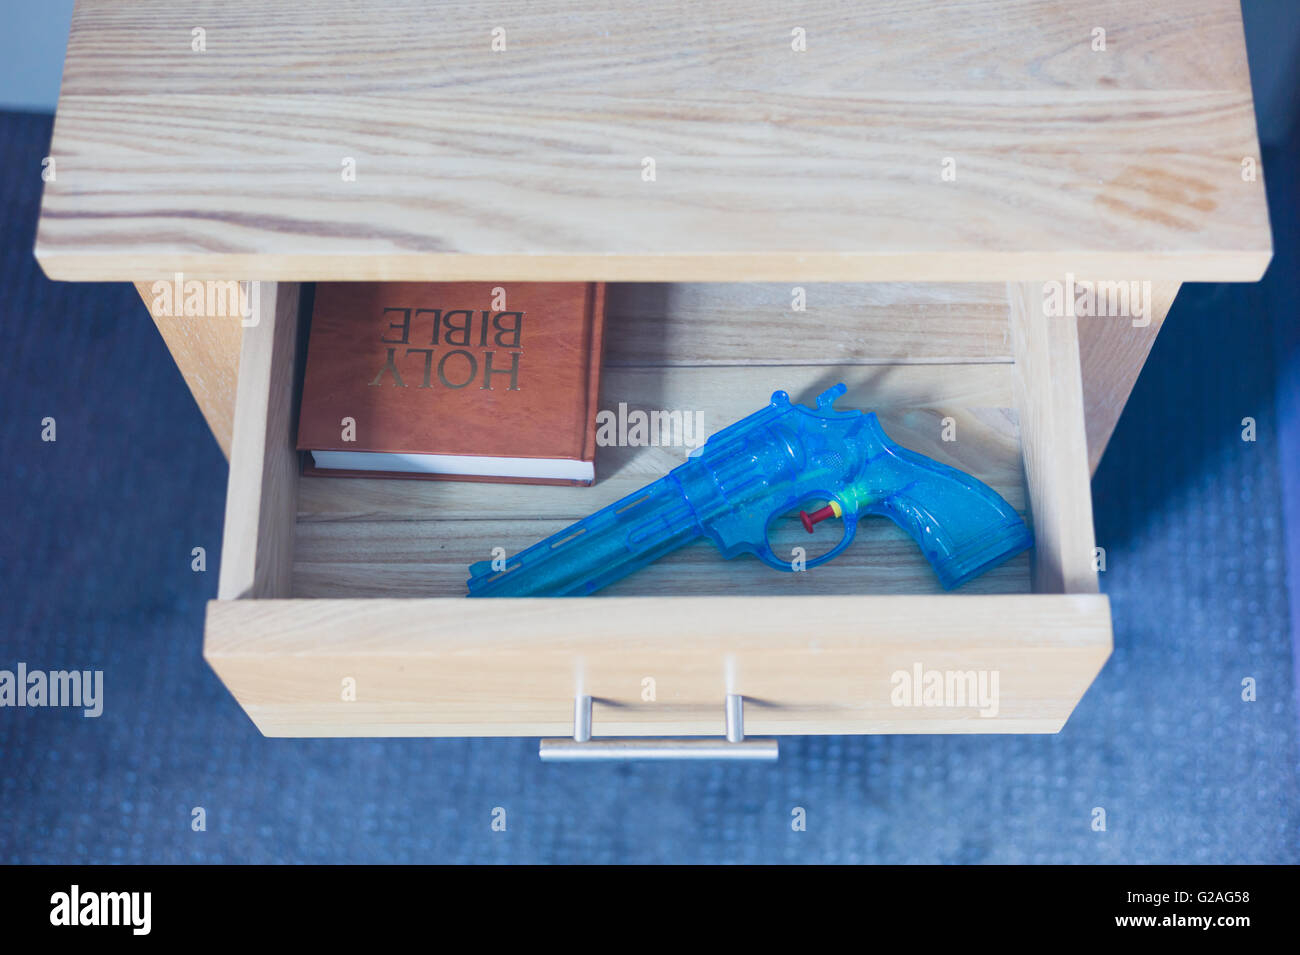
897,664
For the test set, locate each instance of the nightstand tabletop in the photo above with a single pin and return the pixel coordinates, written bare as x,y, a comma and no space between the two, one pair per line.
655,141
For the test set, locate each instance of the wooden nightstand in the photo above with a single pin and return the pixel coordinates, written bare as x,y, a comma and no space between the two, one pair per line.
916,174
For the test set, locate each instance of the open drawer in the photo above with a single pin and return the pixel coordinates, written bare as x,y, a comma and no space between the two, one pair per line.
341,608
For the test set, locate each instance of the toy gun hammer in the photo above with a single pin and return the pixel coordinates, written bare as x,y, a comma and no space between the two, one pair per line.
731,490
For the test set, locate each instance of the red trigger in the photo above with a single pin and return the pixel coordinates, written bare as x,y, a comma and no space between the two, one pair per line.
816,517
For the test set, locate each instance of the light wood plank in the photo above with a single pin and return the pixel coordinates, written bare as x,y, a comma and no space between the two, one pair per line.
257,542
1049,401
206,350
512,667
1112,351
1196,44
683,323
770,164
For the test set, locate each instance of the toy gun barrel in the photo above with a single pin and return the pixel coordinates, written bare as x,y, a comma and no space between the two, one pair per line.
596,551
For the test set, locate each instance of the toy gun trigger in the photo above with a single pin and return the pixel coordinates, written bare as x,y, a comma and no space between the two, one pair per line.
833,509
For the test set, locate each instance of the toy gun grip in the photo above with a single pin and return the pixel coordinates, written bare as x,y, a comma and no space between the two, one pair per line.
962,526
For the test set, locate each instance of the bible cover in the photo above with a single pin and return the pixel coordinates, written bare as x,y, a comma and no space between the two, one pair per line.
453,381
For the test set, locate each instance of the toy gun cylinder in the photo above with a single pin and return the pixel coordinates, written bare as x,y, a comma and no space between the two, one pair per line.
598,550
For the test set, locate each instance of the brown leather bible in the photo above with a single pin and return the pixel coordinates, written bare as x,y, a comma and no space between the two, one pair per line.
453,380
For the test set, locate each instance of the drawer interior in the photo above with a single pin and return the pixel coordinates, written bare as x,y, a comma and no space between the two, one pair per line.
331,580
933,362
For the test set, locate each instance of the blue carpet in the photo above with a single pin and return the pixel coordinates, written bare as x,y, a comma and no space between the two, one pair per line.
95,570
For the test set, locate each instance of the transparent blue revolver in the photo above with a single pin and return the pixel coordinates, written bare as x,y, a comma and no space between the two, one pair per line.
733,488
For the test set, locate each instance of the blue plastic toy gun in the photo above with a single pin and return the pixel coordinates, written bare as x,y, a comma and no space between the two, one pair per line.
746,476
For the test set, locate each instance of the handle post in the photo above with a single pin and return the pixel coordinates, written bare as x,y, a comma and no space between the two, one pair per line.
583,748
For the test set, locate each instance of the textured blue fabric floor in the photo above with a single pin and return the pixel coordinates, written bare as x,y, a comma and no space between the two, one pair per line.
95,569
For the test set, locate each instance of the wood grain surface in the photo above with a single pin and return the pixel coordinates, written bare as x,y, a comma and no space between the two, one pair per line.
512,667
770,163
1049,403
257,539
1112,351
206,350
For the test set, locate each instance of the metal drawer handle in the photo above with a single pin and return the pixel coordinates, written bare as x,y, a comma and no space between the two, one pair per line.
583,747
